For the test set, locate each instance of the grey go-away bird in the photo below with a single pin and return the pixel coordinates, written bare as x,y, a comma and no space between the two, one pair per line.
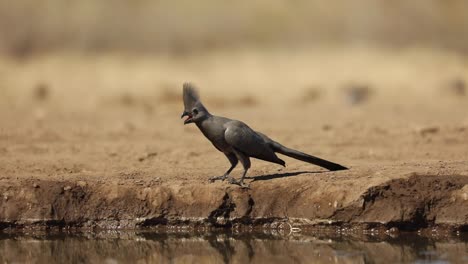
238,141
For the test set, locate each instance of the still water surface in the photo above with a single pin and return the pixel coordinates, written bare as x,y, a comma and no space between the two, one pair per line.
148,247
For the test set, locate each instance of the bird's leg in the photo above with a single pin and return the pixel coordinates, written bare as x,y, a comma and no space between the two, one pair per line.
240,182
223,177
233,160
245,160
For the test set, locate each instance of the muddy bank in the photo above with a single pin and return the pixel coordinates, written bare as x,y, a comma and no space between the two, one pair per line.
408,203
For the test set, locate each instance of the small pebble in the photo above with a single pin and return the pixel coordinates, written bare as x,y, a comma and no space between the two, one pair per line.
457,87
147,156
428,130
81,183
41,91
357,93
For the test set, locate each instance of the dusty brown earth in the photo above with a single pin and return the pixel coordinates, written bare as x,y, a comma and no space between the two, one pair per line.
97,141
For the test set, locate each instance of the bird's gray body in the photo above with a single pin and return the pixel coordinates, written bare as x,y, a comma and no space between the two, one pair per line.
238,141
231,136
213,128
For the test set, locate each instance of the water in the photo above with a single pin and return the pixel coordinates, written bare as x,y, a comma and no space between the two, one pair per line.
148,247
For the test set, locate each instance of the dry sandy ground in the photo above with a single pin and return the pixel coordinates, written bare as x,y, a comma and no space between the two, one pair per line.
85,139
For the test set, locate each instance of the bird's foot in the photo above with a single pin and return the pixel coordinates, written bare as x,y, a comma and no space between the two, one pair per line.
213,179
222,178
244,185
241,183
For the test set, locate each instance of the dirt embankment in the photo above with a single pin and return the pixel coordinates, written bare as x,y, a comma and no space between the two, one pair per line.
409,203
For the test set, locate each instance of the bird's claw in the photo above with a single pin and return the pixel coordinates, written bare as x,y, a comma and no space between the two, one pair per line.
213,179
231,180
222,178
242,184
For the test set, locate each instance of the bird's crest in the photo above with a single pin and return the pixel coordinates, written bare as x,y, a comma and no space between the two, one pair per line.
190,95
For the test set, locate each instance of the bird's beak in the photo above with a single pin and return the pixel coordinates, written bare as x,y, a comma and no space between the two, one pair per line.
188,120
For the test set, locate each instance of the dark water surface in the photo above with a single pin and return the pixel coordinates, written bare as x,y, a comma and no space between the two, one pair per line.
150,247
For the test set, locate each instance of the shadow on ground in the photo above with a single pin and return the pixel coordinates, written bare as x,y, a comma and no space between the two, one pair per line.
281,175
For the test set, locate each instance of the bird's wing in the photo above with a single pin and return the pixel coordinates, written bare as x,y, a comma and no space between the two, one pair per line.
241,137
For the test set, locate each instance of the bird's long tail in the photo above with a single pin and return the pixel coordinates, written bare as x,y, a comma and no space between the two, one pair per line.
307,158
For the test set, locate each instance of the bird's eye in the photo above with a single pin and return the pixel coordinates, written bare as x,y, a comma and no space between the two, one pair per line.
195,111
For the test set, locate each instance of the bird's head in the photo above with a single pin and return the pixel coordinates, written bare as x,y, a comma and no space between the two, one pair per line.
194,109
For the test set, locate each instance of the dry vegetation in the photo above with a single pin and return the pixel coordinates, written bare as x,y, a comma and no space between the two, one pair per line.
31,26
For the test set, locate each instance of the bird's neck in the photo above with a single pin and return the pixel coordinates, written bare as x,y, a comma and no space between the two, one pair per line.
202,123
203,120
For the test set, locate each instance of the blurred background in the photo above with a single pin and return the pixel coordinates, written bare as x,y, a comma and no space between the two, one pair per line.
361,76
92,49
30,27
